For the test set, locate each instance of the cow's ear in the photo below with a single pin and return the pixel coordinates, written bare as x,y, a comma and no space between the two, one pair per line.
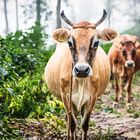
107,34
134,38
138,46
61,34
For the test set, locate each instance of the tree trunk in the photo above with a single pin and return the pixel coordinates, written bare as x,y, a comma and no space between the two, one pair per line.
38,10
6,17
135,10
109,21
17,23
58,19
109,10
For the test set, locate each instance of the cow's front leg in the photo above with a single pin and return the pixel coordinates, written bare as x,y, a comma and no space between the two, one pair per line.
86,111
128,88
71,119
85,126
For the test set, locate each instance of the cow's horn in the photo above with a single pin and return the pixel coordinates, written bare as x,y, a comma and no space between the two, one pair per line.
102,18
66,19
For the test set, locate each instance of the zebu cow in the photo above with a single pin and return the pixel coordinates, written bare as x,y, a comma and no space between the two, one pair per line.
80,61
124,57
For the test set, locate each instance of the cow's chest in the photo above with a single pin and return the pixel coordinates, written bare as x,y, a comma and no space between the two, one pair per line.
80,94
118,70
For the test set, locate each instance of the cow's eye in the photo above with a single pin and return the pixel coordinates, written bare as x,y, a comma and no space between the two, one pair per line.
124,52
70,44
133,52
95,43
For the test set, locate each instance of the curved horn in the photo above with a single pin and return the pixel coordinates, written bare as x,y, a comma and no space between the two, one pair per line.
102,18
65,18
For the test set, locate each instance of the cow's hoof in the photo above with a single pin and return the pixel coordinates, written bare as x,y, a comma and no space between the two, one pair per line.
130,99
121,98
115,105
129,106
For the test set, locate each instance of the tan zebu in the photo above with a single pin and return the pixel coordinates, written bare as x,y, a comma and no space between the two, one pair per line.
78,59
124,56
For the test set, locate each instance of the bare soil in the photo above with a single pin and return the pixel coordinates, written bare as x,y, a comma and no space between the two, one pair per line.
123,121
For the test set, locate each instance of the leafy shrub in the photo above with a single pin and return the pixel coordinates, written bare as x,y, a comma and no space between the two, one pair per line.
23,58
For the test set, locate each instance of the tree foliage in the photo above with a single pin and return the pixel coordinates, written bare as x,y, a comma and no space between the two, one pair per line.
36,8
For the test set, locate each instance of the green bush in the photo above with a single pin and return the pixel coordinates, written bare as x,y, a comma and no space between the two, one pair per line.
23,58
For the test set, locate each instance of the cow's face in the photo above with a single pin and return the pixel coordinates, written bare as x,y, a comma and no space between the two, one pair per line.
83,44
83,41
129,52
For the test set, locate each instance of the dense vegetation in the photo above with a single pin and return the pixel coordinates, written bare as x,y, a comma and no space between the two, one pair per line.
23,93
23,57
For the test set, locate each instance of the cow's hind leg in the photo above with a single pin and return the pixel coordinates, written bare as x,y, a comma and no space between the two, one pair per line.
116,89
120,97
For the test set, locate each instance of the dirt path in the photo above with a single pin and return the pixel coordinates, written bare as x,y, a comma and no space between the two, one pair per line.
123,121
126,126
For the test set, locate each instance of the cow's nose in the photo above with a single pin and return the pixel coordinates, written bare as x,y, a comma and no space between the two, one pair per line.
130,64
82,71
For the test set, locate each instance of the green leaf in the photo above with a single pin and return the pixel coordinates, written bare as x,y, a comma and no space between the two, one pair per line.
3,72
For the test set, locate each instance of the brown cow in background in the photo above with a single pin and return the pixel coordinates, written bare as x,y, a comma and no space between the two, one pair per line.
124,57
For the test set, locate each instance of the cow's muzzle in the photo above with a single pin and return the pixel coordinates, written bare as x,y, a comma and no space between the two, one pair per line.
130,64
82,70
